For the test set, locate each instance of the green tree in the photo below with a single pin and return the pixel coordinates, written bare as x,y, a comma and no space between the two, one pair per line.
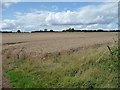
51,30
45,30
18,31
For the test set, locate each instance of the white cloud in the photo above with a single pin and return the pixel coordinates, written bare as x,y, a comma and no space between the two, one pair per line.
6,3
87,17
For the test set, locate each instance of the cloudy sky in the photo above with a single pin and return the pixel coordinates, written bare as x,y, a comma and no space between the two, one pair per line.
30,16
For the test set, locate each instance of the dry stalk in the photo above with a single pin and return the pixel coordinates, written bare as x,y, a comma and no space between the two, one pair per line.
110,49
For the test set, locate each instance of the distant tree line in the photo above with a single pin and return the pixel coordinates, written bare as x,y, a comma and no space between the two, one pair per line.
45,30
99,30
18,31
67,30
6,32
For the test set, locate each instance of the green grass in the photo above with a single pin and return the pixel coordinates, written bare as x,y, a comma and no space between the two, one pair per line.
89,68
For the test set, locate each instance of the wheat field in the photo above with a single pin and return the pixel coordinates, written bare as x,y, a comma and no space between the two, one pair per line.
52,42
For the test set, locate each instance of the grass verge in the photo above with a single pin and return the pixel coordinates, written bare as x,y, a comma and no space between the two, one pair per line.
89,68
